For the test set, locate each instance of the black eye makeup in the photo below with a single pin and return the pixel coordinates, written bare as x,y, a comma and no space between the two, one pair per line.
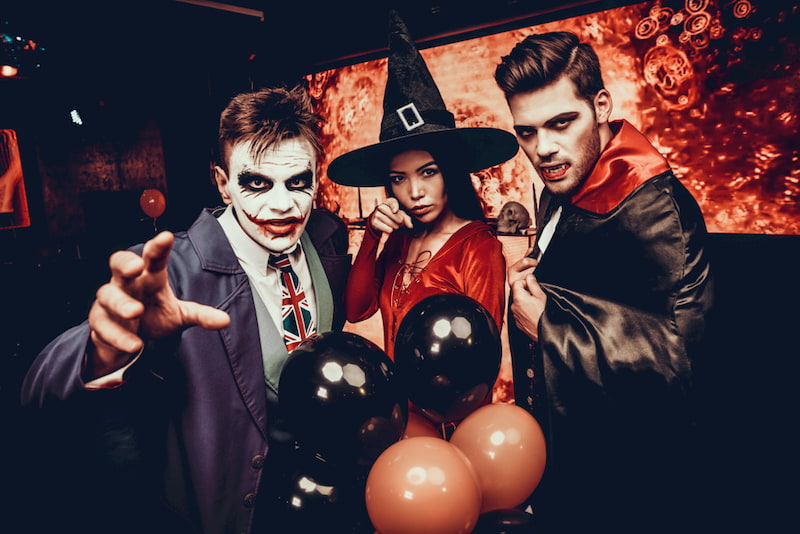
524,131
254,182
562,121
258,183
430,170
299,182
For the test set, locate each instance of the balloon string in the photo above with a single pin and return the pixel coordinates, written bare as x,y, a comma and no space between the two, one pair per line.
447,430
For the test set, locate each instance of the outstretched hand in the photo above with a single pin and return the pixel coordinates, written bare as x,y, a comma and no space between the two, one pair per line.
388,217
138,303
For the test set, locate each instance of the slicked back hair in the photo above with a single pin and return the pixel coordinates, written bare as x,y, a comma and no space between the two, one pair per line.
542,59
266,117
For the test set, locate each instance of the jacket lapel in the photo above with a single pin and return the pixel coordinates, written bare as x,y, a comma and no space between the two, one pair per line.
240,340
252,341
322,290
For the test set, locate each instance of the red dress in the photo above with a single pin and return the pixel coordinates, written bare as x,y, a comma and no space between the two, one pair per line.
470,263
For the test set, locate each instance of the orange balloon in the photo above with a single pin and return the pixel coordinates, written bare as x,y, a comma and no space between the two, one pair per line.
506,447
419,425
423,485
152,203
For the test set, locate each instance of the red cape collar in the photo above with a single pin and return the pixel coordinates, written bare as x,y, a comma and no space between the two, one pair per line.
627,161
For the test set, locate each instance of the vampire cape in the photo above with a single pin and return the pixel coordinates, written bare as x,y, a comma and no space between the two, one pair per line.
628,286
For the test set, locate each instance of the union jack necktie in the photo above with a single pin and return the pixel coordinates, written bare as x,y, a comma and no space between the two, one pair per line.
295,309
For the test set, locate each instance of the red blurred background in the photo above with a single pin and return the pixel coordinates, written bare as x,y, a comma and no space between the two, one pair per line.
713,84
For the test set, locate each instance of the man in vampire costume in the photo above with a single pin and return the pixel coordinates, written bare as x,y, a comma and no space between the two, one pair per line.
180,358
608,310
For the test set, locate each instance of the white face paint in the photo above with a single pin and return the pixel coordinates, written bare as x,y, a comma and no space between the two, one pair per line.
272,197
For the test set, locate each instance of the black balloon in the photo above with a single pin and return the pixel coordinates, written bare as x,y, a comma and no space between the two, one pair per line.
341,399
306,495
447,354
510,521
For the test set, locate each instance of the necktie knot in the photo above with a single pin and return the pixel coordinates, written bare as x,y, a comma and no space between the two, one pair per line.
296,316
281,262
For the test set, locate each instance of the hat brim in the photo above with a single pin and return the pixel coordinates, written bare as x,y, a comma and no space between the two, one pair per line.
477,149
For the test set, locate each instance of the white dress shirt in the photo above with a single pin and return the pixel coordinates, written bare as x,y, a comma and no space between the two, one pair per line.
265,279
548,231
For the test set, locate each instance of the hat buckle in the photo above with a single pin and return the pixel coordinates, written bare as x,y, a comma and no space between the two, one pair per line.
410,117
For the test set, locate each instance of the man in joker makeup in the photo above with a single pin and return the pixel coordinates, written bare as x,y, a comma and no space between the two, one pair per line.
185,344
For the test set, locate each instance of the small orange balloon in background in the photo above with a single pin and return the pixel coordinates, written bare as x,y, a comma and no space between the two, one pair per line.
152,203
506,447
423,485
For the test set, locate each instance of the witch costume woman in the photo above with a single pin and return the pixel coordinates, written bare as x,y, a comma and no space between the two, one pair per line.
437,239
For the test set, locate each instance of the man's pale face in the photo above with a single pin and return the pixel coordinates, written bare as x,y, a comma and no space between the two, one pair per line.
272,197
561,133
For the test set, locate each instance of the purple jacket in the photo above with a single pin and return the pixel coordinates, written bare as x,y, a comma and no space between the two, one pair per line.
216,404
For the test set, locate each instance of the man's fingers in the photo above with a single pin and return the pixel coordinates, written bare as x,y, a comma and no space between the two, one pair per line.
519,289
206,317
523,264
156,252
116,302
532,284
124,266
108,332
520,269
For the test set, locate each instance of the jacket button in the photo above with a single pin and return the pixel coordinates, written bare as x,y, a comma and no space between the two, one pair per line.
250,500
258,461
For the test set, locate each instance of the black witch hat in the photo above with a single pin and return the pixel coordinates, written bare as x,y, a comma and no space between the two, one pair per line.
414,116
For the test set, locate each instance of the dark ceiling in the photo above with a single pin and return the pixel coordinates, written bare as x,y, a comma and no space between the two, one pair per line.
137,46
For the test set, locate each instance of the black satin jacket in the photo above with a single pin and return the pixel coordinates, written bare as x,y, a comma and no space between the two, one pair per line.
610,378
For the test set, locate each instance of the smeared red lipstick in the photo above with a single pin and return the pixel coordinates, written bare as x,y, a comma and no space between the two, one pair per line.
284,226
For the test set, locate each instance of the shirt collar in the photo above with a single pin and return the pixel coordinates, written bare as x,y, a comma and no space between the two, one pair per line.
247,250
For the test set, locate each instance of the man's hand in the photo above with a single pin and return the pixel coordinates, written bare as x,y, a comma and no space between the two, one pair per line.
138,303
527,298
388,217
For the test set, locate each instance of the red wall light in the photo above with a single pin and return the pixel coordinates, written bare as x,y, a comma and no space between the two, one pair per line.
8,71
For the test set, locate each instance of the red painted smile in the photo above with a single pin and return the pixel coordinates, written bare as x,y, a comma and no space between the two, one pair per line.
278,227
